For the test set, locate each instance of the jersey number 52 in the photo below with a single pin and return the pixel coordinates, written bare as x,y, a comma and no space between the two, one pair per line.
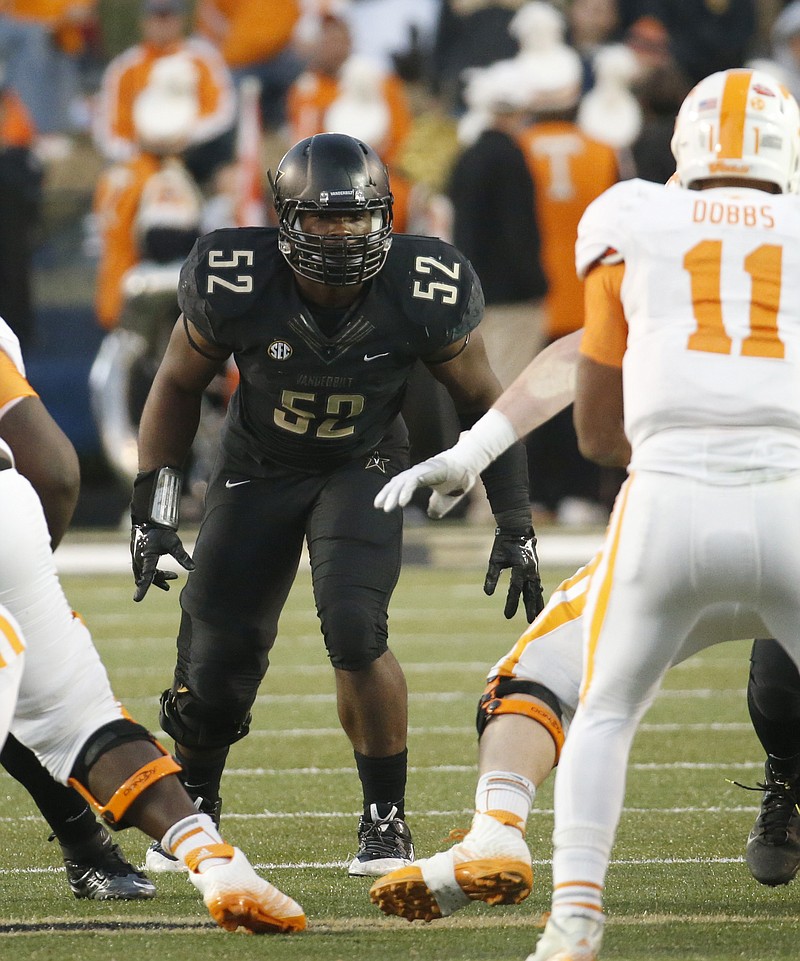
430,289
242,283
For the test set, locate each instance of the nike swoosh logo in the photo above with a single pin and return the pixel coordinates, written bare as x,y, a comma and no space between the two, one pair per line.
230,483
369,357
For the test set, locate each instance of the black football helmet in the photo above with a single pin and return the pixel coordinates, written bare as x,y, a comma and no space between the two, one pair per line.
332,171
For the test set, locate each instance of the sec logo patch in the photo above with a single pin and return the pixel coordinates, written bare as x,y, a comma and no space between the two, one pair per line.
279,350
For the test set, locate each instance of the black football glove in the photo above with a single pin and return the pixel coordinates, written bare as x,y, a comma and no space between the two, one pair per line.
155,509
148,544
516,549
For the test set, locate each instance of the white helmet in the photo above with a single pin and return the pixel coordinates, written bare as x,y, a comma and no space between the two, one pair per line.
739,123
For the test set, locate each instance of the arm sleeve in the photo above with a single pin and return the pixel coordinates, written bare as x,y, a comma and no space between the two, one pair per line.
605,332
13,385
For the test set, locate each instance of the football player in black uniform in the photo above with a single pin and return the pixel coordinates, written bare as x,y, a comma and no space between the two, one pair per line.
325,316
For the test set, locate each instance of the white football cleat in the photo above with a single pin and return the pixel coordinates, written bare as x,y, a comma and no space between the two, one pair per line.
492,864
237,897
157,861
574,938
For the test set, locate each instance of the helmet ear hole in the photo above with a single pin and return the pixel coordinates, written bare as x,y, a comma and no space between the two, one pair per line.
333,173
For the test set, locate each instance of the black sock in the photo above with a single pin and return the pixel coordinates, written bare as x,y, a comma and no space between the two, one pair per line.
202,773
383,781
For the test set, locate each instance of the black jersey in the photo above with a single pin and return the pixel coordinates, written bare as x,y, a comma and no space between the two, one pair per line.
306,400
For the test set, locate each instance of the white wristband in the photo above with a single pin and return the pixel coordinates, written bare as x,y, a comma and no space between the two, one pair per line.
485,441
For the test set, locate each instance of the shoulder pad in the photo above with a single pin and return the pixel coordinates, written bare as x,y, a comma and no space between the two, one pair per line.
603,228
224,276
440,293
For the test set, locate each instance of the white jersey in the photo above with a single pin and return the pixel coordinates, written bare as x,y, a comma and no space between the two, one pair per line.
9,344
711,295
54,691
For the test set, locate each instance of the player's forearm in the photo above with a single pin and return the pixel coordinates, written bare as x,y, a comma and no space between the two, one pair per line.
168,425
544,388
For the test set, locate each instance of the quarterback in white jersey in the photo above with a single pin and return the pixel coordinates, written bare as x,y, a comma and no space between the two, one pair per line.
533,690
708,283
702,278
693,337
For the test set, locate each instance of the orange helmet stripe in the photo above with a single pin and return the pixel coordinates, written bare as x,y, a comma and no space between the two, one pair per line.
11,636
732,113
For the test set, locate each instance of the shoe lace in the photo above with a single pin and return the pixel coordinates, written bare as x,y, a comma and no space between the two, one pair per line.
777,807
379,837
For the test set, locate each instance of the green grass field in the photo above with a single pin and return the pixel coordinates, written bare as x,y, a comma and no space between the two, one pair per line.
678,886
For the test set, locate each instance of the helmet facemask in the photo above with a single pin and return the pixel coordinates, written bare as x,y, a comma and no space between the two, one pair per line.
337,260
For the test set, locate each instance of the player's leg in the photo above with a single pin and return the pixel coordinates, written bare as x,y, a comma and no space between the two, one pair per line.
246,558
522,717
634,628
67,713
95,866
773,695
131,780
355,556
12,666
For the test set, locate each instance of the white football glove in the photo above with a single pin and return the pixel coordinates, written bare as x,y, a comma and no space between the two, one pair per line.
452,473
449,478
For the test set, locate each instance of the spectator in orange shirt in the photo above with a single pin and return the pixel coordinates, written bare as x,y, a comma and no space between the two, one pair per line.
256,43
569,170
163,27
20,202
326,44
149,211
40,42
163,123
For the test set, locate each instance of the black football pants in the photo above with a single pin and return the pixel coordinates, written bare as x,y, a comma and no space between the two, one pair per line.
247,556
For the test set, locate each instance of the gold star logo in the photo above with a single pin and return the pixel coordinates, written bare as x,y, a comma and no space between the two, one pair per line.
376,462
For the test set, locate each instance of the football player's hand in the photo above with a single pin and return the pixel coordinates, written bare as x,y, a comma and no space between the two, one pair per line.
446,473
516,550
148,544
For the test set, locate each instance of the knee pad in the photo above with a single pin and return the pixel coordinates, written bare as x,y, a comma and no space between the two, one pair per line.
196,724
105,739
353,635
498,699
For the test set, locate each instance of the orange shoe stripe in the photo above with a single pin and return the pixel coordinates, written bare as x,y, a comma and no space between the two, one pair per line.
509,819
185,837
195,858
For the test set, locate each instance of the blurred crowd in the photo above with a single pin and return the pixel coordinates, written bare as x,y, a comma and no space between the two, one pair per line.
499,120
